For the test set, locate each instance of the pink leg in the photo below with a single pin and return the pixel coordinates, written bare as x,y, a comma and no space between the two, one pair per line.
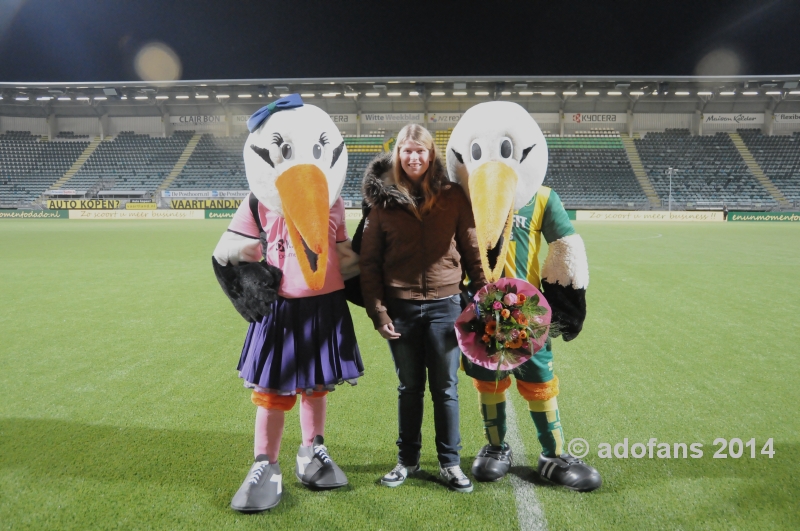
269,432
312,417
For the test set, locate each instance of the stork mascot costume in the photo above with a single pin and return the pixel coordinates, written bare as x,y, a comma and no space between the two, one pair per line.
499,155
301,338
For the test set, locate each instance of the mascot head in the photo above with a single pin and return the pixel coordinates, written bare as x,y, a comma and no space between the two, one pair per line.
296,162
499,156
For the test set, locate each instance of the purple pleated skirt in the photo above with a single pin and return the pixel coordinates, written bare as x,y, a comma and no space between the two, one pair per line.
306,344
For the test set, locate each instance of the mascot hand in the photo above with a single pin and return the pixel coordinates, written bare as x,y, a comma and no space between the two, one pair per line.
234,248
569,309
251,287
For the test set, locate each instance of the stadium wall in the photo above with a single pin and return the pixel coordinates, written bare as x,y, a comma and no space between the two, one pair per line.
37,126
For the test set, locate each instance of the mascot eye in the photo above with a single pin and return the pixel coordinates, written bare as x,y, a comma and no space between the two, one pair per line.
506,148
287,151
476,151
317,151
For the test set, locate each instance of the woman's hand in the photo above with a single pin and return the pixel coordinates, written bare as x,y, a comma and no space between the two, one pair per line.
387,331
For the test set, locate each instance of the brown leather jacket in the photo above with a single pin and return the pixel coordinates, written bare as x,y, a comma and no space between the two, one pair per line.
408,258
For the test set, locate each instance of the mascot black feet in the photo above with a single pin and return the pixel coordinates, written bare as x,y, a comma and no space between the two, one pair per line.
492,462
569,472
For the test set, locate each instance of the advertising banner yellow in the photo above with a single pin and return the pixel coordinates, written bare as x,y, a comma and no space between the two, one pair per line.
137,214
211,204
141,205
646,215
82,204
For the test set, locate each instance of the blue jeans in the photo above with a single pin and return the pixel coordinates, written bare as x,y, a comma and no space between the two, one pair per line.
427,341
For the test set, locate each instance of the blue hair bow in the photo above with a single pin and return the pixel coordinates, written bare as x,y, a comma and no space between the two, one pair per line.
259,117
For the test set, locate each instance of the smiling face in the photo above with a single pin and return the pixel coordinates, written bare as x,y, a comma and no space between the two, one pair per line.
414,159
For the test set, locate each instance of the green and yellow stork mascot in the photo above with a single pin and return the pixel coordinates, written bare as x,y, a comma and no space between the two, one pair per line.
499,155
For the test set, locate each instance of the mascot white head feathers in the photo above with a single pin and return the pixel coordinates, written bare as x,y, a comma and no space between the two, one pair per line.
499,156
296,163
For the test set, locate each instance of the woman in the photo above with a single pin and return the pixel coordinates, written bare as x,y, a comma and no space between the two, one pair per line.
418,235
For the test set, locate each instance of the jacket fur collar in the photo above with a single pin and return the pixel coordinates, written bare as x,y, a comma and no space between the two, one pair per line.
379,188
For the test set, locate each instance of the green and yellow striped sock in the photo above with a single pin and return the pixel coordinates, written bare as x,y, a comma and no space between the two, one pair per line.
548,426
493,409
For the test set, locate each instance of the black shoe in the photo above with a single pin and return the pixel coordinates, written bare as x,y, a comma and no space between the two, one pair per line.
316,469
570,472
261,489
492,462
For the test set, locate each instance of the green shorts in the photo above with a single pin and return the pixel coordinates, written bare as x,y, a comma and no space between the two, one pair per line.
538,369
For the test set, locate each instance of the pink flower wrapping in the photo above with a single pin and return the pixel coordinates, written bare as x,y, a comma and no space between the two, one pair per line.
477,351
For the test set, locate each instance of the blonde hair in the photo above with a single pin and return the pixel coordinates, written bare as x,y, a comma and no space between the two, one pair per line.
429,185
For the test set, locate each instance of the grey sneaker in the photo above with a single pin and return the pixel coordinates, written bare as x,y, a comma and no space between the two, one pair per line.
455,478
315,468
398,475
261,489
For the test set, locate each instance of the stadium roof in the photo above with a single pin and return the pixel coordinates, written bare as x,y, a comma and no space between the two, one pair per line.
537,93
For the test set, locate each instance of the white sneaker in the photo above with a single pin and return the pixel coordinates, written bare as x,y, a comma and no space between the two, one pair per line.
455,478
398,475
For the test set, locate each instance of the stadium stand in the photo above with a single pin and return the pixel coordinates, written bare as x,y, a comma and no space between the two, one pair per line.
29,165
440,138
131,162
709,169
591,170
779,157
215,164
360,151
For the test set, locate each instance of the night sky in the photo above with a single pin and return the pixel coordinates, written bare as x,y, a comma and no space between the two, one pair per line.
53,41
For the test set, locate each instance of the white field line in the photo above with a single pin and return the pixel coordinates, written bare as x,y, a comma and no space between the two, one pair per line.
529,511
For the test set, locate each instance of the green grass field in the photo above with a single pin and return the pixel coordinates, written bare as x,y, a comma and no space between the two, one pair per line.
120,406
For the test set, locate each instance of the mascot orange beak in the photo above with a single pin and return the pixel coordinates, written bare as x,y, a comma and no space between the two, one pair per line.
491,188
304,195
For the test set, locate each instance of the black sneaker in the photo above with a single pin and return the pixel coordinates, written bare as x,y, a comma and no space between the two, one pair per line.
261,489
492,462
455,478
315,468
398,475
570,472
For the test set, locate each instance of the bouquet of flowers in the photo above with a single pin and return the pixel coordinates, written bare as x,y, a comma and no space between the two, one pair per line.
507,323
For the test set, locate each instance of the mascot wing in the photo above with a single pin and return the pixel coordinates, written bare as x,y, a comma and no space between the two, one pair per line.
499,155
296,162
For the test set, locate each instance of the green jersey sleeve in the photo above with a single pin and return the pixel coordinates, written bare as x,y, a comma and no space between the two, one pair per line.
555,222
